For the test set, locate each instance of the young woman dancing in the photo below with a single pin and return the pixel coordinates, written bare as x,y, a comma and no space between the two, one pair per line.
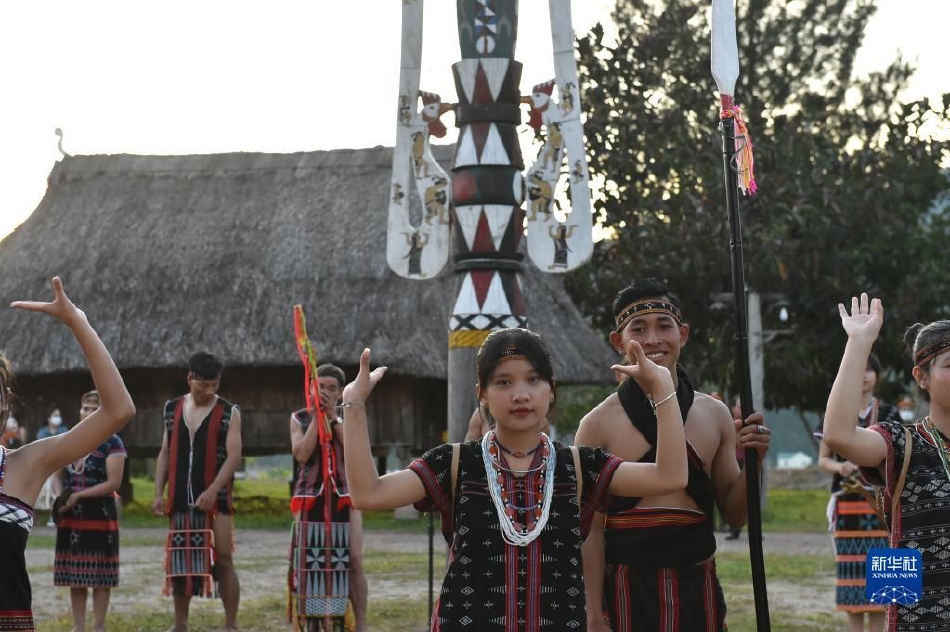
24,471
920,519
514,510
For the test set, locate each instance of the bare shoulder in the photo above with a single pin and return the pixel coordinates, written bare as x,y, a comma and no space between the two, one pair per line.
595,425
712,409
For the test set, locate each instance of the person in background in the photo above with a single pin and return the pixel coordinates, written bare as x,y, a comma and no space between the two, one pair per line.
852,521
201,450
87,533
13,434
54,426
906,408
308,502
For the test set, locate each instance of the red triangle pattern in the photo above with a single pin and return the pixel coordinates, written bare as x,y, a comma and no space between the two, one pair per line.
483,241
479,132
481,281
481,93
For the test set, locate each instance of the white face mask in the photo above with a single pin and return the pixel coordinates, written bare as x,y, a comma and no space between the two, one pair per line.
906,414
56,420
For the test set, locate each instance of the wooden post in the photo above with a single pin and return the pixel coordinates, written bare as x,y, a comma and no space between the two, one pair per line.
487,185
487,193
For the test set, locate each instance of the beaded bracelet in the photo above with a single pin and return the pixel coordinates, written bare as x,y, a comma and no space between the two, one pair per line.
355,402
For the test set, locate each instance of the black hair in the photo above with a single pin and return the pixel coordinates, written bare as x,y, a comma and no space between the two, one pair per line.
205,366
647,288
332,370
6,394
528,343
919,336
52,409
874,364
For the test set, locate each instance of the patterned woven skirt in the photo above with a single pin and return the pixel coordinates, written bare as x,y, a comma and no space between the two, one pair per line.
319,573
856,531
189,555
87,545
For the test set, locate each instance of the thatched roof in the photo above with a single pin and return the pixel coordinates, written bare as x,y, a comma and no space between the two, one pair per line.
172,254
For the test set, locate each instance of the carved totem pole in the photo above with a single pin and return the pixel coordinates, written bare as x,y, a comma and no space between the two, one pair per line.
484,195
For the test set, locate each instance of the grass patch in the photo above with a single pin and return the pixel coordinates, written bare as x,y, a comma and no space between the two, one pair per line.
800,590
265,504
414,565
796,510
259,504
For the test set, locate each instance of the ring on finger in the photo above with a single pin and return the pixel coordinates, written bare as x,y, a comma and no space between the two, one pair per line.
760,429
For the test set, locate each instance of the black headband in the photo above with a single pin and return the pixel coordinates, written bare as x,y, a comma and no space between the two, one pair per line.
647,306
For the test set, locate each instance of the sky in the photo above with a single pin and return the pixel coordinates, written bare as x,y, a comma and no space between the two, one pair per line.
208,76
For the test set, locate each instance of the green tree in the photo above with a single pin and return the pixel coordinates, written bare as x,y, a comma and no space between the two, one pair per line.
847,182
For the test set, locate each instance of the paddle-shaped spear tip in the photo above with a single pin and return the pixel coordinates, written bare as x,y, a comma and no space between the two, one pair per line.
725,49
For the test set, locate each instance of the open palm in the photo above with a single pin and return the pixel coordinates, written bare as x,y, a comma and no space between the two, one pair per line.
865,319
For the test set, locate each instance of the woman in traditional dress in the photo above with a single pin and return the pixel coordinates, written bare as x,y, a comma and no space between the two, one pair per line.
24,471
513,507
87,534
853,522
879,450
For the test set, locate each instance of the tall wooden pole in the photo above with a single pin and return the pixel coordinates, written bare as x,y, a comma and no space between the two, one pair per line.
487,188
487,194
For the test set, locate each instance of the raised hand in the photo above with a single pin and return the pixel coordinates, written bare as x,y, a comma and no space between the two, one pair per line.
655,380
865,320
60,308
366,380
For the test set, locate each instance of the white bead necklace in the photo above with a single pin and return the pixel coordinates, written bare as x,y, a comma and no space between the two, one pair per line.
509,532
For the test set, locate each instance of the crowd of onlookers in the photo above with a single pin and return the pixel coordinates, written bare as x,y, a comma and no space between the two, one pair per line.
14,435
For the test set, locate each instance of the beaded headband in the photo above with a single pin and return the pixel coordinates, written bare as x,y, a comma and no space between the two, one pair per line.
930,352
647,306
511,353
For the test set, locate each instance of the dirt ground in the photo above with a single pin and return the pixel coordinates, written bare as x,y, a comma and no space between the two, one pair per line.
261,557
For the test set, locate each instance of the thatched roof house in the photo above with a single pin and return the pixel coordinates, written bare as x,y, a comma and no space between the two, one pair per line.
173,254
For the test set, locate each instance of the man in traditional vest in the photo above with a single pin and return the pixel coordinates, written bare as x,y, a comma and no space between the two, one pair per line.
311,493
201,449
661,573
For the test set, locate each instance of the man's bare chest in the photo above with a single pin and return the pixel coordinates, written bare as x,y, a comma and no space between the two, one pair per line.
702,434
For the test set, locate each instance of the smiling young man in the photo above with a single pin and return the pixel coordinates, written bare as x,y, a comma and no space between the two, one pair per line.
201,449
662,574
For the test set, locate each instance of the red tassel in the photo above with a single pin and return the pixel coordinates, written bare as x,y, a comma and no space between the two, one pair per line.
302,504
745,161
